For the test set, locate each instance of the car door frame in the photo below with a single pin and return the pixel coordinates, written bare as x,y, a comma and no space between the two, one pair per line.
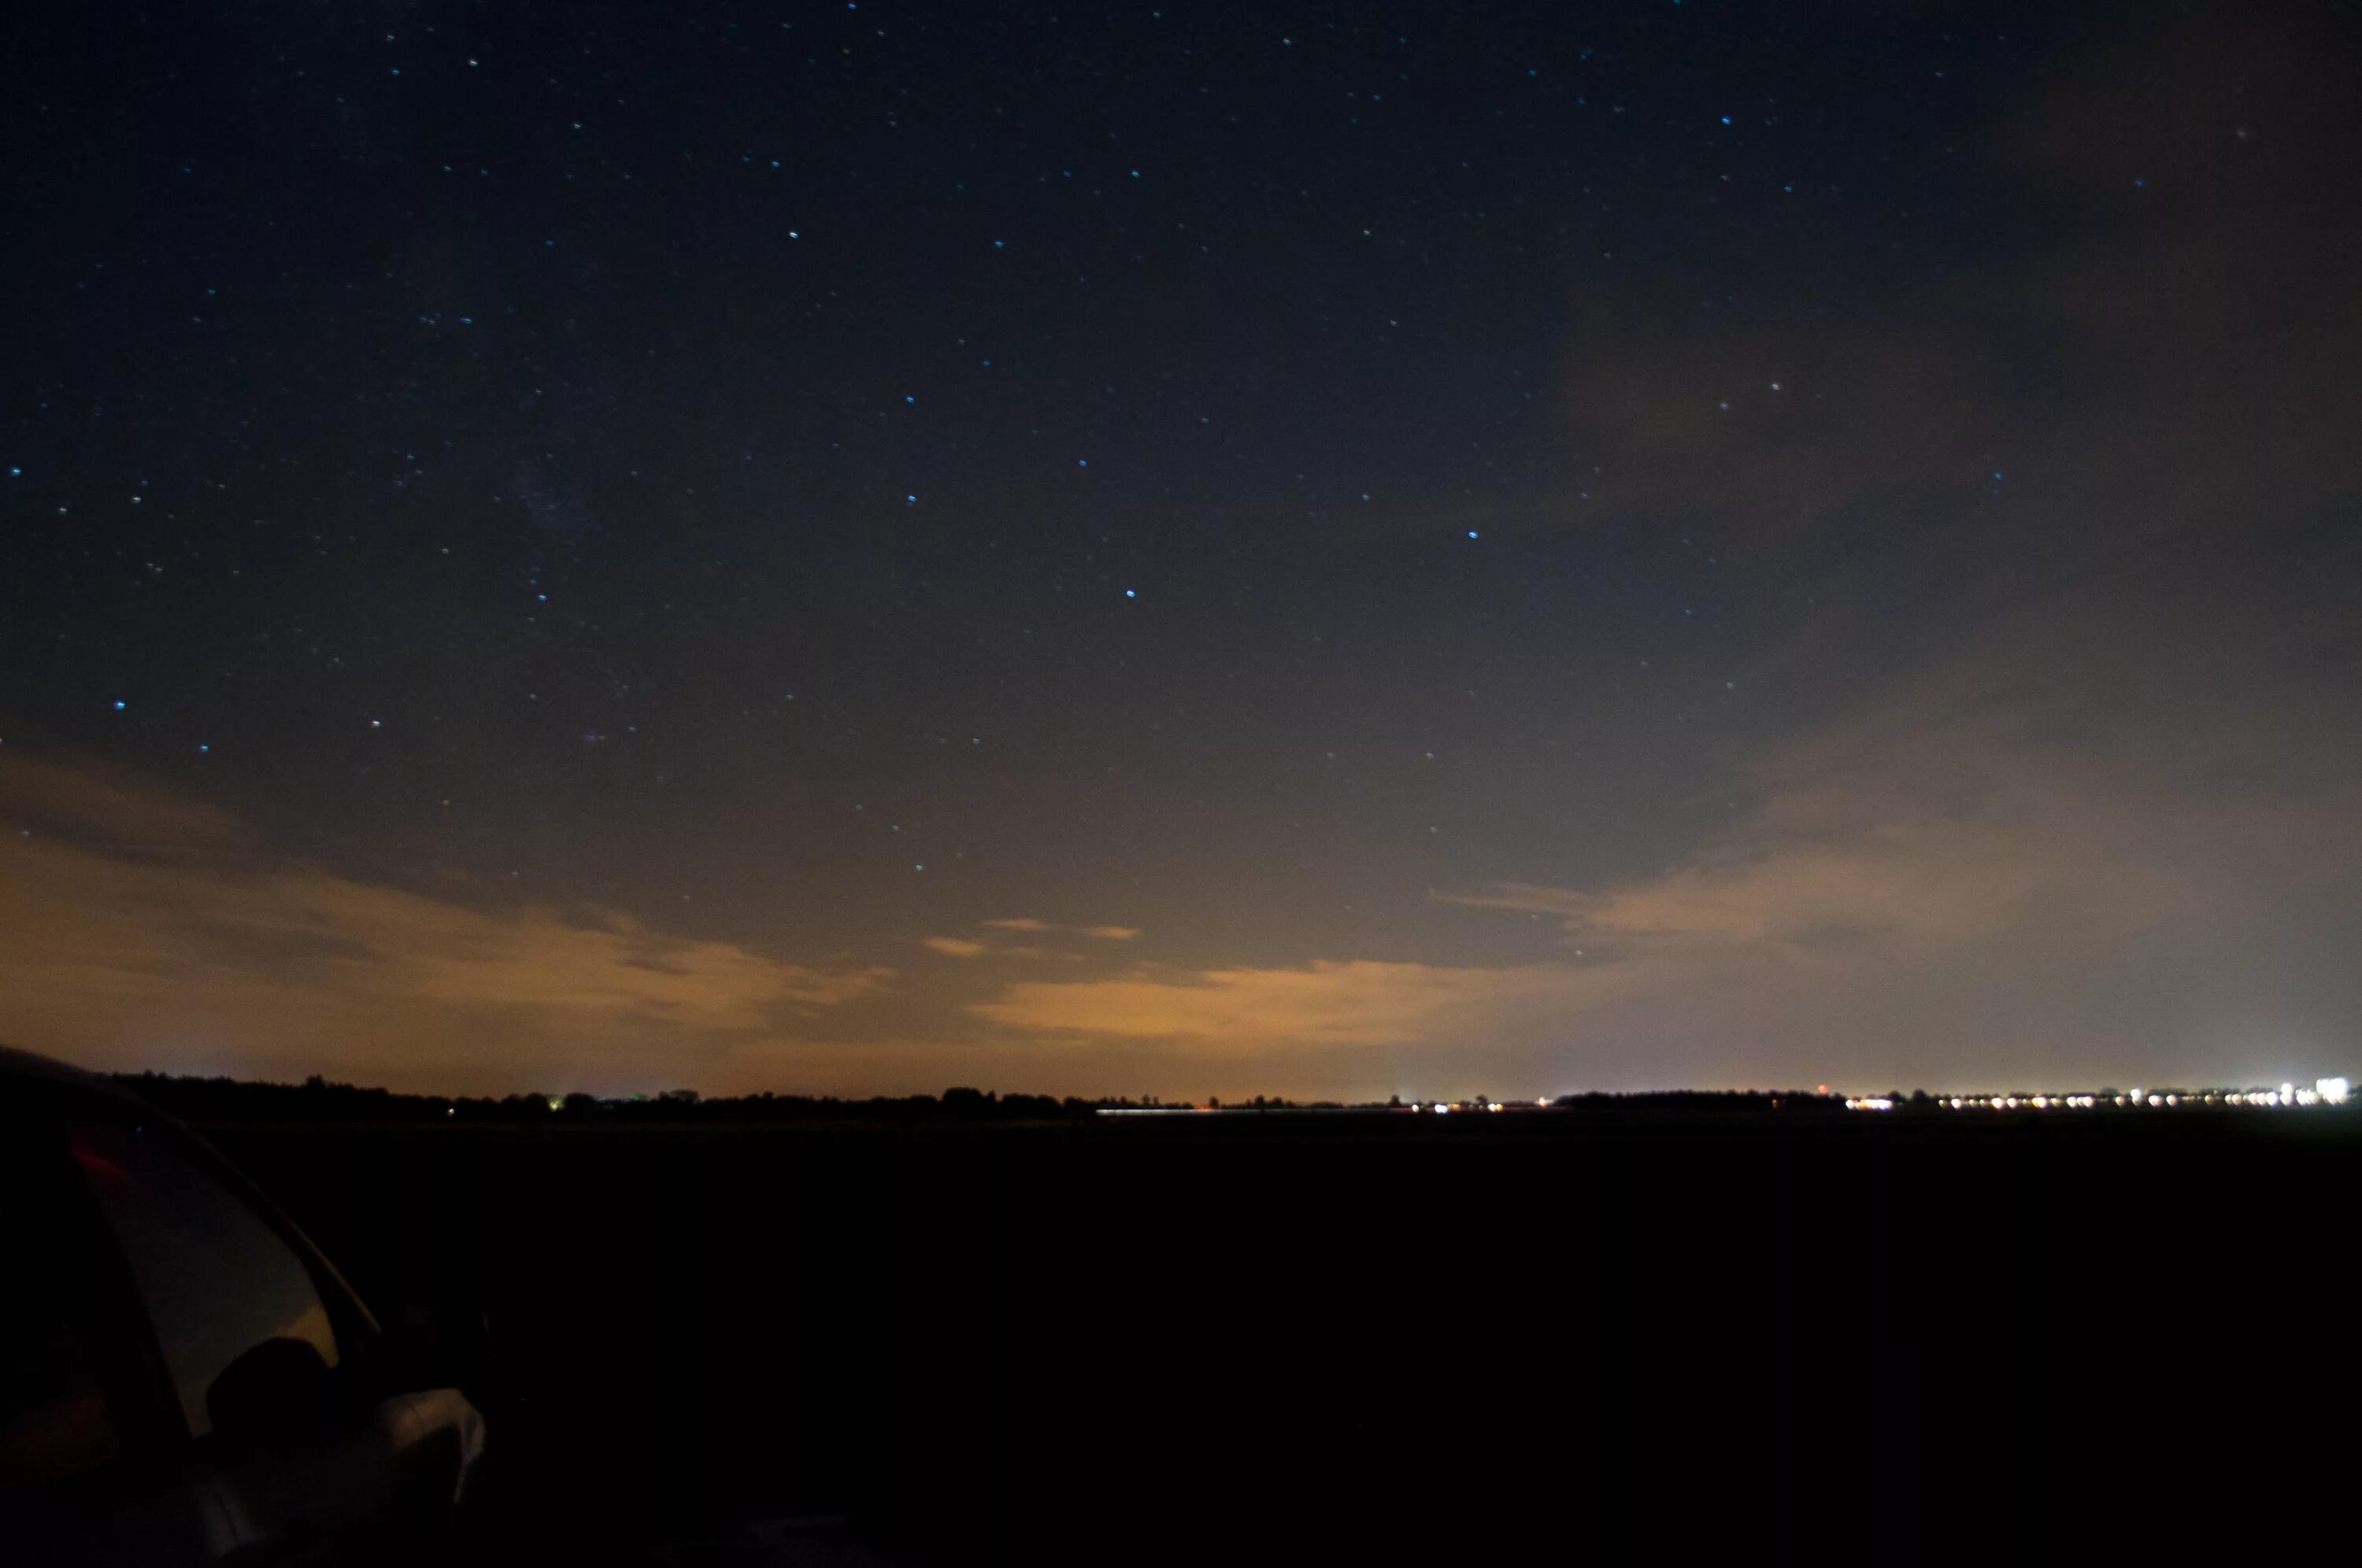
182,1480
133,1489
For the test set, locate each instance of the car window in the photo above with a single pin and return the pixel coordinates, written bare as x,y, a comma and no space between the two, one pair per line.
55,1422
216,1278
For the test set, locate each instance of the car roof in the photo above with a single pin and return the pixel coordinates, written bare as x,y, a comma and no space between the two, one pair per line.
25,1067
17,1064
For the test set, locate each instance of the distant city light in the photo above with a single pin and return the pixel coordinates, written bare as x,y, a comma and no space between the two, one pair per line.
2325,1091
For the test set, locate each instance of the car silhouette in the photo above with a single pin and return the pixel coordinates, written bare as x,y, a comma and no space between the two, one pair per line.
183,1378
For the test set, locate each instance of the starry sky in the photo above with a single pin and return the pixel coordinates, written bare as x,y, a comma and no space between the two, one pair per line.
1228,549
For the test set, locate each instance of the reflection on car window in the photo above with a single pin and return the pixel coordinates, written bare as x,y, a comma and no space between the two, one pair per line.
54,1420
216,1280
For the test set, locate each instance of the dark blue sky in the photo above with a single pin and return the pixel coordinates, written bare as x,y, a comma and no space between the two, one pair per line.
1514,549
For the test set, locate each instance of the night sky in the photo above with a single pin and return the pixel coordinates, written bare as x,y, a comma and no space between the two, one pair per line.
1220,550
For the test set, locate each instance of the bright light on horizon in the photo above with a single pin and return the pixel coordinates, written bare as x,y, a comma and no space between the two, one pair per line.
2328,1091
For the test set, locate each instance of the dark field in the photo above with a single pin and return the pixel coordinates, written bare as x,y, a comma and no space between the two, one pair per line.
1333,1337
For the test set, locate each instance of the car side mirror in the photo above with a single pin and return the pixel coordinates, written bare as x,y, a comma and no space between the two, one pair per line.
279,1391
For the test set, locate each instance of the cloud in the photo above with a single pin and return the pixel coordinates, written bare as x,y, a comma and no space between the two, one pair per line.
2034,863
2159,339
140,954
1891,881
1351,1002
1105,933
105,807
2069,853
958,946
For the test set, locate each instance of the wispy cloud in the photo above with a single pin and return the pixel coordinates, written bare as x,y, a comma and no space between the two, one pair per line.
1996,867
107,808
1353,1002
1034,951
958,946
1103,932
141,952
2064,853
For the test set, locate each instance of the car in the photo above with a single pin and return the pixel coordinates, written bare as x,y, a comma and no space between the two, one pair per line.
184,1379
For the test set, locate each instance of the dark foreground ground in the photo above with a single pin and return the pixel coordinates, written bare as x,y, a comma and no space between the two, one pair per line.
1466,1339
